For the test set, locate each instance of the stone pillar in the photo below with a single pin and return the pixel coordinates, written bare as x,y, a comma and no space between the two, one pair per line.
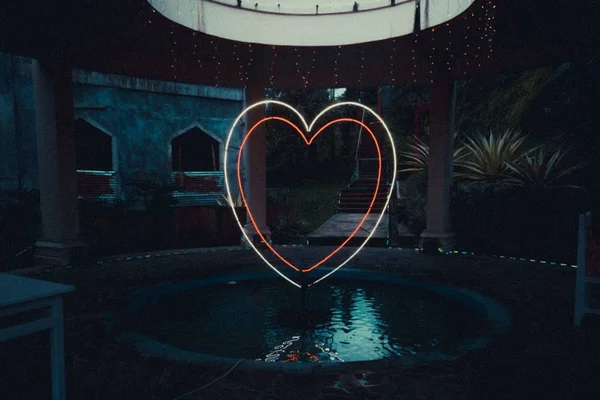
60,243
254,162
438,233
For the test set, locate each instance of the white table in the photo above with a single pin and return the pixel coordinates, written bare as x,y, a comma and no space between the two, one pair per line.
18,295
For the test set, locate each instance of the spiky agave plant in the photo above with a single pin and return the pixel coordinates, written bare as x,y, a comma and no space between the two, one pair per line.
416,158
542,168
488,156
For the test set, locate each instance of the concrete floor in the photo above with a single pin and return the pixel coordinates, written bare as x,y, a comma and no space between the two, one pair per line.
342,225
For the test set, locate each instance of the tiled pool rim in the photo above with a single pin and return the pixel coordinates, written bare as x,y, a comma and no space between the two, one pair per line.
496,315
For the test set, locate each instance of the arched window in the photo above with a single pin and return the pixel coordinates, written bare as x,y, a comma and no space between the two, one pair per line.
94,147
194,150
96,176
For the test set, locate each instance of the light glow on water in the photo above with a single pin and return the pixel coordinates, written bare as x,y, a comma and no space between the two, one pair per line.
350,322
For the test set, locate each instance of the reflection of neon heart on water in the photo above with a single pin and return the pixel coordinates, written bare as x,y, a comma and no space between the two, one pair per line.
308,143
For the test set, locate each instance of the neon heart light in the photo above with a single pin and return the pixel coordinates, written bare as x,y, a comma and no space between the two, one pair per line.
308,143
308,129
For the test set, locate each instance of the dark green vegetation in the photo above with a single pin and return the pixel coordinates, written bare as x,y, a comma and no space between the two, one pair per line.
526,151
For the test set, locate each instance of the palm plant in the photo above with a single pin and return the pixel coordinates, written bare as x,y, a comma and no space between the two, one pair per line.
488,156
416,158
542,168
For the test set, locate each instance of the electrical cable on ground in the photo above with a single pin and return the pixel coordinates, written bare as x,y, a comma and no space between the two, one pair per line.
210,383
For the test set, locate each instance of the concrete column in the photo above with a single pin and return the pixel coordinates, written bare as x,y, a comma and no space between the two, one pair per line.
438,233
255,171
55,134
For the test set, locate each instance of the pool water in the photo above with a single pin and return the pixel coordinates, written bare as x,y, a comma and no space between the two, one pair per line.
341,321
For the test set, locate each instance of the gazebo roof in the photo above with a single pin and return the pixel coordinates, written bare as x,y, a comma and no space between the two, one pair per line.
128,37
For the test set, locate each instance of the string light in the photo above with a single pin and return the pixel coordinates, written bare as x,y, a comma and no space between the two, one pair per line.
194,44
236,57
414,57
392,62
362,67
490,17
173,56
249,64
449,53
431,53
297,61
312,67
335,66
272,67
216,63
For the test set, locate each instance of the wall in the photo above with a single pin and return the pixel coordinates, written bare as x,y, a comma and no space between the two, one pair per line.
18,159
142,116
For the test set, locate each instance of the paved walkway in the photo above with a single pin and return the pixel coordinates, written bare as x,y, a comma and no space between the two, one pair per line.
341,225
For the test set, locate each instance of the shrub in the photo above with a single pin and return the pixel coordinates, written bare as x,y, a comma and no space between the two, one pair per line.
287,227
542,168
416,158
488,156
414,206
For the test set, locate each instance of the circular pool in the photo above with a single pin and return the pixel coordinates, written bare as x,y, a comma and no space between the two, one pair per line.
356,316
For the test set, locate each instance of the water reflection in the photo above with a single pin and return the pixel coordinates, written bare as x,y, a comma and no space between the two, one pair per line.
342,321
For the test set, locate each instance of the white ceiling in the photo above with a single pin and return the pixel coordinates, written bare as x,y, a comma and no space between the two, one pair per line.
295,23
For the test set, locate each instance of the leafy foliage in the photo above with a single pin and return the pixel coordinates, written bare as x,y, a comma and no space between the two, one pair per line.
499,101
488,156
416,158
288,157
542,168
414,205
287,227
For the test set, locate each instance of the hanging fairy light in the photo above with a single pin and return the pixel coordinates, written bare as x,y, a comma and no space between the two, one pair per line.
297,65
392,62
312,66
249,64
431,59
490,17
335,65
449,52
236,58
272,66
173,55
362,67
414,57
216,62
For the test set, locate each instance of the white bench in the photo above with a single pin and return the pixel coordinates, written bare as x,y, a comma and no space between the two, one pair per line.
583,278
19,295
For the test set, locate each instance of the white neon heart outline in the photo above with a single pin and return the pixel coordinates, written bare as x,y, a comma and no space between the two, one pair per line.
308,129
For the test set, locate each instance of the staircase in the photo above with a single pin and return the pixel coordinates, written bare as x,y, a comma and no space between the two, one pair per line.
358,195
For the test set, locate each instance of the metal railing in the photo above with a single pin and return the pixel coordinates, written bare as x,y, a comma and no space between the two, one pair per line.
198,187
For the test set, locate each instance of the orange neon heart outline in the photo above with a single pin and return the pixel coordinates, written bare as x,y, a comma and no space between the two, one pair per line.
308,143
308,128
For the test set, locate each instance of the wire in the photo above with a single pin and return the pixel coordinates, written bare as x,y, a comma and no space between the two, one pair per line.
211,382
